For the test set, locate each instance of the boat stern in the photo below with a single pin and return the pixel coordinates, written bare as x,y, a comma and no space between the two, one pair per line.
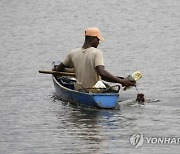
106,102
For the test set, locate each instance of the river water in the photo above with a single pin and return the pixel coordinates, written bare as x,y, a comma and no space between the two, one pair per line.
140,35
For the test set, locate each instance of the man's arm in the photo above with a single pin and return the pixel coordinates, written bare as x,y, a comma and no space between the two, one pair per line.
111,78
59,68
62,68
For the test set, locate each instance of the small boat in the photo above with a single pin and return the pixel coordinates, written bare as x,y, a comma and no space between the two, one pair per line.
64,87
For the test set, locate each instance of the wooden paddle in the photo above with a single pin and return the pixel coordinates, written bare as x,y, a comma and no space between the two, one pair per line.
57,73
65,73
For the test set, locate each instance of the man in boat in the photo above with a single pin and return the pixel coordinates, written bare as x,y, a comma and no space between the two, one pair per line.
88,63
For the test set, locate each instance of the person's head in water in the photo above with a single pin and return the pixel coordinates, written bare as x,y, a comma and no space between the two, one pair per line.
92,37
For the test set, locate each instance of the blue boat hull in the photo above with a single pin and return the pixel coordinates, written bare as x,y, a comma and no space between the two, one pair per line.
93,100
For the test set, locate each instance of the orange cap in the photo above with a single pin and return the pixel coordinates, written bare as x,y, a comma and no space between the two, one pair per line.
94,32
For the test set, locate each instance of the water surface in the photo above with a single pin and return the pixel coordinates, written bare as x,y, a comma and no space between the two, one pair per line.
140,35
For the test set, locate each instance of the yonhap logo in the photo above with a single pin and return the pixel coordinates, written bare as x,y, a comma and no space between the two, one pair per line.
137,140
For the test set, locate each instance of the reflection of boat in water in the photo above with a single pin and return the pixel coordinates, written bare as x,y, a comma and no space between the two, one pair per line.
65,90
85,123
